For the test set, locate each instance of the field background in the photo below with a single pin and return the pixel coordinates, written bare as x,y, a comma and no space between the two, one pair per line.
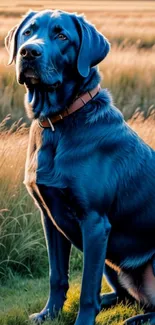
129,73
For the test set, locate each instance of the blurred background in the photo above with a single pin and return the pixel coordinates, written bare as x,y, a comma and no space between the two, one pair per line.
129,73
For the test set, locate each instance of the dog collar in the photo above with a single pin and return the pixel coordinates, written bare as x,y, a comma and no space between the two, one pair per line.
77,104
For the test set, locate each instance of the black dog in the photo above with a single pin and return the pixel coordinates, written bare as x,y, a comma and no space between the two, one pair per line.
92,177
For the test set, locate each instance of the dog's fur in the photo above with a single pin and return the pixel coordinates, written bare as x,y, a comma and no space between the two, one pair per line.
93,178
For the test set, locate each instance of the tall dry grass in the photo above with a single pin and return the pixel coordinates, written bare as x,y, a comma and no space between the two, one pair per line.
123,22
21,235
130,76
16,7
11,94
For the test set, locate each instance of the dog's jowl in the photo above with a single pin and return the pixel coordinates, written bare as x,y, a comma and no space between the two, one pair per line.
91,176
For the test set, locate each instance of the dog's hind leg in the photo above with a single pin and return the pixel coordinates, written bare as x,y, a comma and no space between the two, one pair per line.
144,288
119,293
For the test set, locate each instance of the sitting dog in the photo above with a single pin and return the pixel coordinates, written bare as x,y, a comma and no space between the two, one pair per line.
91,176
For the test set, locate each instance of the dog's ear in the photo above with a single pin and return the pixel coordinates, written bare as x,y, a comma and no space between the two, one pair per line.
10,43
93,48
11,38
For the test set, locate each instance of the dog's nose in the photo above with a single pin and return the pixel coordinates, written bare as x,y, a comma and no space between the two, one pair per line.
30,52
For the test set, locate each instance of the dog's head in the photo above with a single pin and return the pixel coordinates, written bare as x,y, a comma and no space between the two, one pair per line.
50,47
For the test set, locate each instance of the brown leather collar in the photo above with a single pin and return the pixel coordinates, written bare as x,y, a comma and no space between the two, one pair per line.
77,104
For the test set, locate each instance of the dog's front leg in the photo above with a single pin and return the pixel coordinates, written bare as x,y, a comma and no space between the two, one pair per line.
58,247
95,231
58,252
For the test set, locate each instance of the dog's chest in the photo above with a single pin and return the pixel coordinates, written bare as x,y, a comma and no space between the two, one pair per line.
50,159
69,163
54,160
63,162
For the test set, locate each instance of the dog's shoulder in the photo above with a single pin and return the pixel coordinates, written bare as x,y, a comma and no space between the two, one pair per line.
111,125
130,156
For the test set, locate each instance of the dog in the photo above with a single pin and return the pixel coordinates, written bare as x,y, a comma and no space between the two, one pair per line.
89,173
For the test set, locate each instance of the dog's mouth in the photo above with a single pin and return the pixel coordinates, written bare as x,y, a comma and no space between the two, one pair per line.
31,79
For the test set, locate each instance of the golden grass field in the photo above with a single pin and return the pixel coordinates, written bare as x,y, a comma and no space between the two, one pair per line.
129,73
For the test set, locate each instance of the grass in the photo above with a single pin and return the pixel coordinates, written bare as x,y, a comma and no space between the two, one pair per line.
11,95
123,22
21,297
129,73
19,230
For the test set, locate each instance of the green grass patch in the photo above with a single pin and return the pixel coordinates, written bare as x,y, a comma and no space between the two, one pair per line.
22,246
20,297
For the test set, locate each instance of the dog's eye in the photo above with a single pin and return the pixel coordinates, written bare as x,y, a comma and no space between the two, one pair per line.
27,32
62,37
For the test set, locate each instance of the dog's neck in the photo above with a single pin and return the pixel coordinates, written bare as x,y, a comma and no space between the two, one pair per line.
47,104
90,82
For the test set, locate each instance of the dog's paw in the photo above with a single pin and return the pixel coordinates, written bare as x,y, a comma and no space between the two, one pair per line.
39,318
141,319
